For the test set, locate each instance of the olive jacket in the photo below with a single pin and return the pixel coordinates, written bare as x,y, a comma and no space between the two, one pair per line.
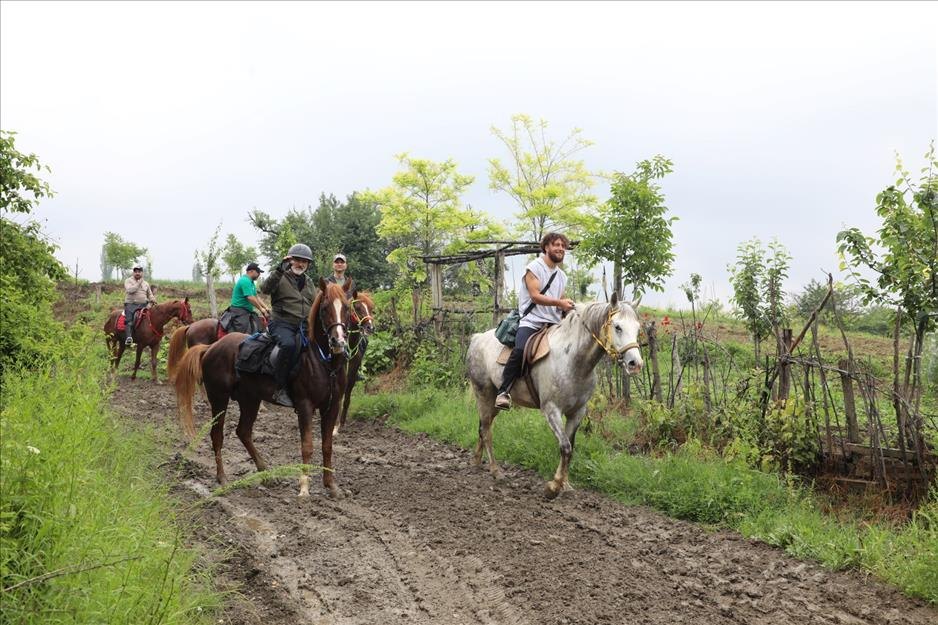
288,303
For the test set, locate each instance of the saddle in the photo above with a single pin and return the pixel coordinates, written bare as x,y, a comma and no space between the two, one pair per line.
254,354
535,349
138,319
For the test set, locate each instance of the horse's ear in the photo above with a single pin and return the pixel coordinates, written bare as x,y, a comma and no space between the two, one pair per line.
635,302
186,301
322,284
347,287
354,294
614,301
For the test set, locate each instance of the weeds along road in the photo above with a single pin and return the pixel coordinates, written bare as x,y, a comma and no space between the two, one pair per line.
422,537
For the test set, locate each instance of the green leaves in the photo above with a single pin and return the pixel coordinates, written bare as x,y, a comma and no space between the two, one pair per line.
631,228
16,179
550,187
904,255
120,254
421,215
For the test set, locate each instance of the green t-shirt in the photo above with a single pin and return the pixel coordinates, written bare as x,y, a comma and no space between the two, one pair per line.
242,289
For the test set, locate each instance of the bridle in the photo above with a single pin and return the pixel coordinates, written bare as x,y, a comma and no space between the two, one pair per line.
327,329
606,332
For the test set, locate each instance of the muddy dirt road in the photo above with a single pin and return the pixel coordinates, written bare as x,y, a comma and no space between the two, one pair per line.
421,537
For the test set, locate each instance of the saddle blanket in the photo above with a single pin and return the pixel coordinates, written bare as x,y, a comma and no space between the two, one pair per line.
536,348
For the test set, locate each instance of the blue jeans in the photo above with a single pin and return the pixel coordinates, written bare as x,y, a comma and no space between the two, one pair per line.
129,311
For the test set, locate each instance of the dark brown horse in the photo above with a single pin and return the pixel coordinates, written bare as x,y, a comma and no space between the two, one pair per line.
201,332
320,383
360,327
148,334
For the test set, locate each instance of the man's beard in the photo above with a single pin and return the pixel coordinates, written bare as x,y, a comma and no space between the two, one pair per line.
297,270
554,258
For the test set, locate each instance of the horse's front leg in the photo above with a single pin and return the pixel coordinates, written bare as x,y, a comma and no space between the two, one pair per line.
327,421
555,421
133,376
304,413
154,352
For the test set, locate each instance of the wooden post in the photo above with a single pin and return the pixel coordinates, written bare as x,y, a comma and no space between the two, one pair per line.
706,381
499,285
784,384
97,294
676,370
853,431
653,356
436,294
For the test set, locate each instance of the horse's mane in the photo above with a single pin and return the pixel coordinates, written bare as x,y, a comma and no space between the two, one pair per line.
593,315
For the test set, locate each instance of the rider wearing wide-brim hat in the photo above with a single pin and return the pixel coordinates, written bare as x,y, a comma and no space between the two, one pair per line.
291,296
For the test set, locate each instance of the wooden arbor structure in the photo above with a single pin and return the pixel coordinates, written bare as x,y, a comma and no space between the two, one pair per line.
500,251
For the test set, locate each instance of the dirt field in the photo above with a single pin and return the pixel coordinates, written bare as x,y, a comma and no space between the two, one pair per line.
421,537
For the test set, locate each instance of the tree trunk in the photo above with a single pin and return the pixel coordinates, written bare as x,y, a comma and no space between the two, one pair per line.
213,304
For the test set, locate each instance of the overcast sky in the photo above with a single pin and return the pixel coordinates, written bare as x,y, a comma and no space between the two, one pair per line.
160,120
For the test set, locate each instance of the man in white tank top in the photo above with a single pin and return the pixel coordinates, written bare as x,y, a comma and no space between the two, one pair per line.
537,309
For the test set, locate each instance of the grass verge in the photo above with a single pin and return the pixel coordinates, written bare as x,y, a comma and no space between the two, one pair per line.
88,533
692,484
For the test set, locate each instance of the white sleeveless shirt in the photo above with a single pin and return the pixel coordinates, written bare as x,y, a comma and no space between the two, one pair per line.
541,315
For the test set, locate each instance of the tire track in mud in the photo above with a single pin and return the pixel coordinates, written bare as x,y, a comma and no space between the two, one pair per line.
423,538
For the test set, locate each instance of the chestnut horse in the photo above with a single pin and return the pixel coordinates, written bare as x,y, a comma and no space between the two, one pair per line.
320,383
201,332
361,326
148,334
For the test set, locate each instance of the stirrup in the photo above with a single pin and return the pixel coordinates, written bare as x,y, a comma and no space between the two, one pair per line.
505,404
129,340
282,398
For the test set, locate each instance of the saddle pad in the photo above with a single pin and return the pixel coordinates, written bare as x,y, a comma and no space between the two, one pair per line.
536,348
138,319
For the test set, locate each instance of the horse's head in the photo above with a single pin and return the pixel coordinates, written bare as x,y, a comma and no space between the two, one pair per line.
183,311
332,314
624,328
362,305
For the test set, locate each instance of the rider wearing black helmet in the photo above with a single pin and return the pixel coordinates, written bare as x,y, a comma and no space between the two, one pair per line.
291,296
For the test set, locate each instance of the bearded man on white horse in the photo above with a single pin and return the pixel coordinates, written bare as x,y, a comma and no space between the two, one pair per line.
547,309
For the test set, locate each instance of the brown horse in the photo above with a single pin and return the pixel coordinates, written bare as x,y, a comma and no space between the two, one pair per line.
319,383
361,326
201,332
148,334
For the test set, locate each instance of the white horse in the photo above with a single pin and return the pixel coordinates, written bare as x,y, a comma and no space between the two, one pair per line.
564,378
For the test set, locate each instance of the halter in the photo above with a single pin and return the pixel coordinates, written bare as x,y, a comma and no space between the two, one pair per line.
607,331
327,329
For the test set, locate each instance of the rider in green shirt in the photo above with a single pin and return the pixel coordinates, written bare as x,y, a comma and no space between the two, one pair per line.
244,299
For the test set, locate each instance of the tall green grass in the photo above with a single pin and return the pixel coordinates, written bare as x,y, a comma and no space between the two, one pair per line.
692,484
87,530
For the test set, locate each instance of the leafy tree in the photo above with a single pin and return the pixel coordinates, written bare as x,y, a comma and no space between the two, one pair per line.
210,261
236,256
19,182
747,277
421,216
579,280
550,186
776,270
198,274
632,230
107,269
121,254
333,227
30,268
904,256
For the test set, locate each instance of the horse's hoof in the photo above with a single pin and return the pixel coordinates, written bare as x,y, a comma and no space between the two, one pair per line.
335,431
335,492
551,490
304,486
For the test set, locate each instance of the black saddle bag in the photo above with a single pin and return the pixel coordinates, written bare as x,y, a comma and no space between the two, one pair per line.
254,354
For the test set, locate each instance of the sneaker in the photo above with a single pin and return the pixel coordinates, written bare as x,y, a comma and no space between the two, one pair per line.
503,401
129,341
282,398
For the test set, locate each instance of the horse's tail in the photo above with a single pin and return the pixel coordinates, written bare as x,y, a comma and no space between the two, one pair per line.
177,349
188,377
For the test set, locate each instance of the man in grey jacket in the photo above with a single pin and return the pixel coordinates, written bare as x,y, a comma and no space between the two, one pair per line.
137,294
